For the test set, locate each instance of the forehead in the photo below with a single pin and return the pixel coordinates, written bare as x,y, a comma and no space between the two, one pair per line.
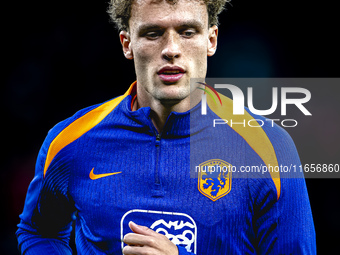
165,14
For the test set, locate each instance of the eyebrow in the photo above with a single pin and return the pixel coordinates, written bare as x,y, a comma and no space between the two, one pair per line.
186,24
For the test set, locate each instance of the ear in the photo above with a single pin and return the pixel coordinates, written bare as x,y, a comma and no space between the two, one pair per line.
212,43
125,40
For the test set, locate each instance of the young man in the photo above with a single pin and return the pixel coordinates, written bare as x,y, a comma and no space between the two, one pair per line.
121,169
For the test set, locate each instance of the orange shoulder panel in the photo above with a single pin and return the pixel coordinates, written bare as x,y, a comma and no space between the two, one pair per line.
80,126
255,137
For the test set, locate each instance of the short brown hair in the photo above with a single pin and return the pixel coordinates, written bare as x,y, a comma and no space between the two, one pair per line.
120,11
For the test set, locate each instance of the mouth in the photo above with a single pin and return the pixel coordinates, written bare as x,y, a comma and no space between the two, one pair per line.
171,74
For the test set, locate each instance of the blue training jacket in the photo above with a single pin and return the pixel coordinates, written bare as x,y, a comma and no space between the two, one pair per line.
231,188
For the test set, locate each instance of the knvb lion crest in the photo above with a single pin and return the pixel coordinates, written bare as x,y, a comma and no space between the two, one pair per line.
214,178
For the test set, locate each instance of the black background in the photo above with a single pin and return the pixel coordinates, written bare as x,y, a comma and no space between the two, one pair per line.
61,56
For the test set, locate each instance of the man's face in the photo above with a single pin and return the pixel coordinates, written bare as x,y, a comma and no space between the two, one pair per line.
169,44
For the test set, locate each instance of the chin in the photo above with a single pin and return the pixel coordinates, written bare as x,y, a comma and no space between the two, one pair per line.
172,93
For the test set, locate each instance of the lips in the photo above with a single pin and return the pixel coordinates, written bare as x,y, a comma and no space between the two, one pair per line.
171,74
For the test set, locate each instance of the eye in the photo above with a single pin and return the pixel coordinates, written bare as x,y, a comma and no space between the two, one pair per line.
153,34
188,33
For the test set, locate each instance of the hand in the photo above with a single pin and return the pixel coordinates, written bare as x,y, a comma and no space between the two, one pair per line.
145,241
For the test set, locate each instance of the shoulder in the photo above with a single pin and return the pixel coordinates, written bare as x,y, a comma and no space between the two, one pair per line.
253,128
280,139
268,140
69,130
284,162
60,126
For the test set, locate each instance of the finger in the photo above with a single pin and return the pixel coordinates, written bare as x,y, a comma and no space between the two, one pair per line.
135,250
138,239
143,230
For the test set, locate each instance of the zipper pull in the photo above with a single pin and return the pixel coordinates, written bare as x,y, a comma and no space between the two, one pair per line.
158,139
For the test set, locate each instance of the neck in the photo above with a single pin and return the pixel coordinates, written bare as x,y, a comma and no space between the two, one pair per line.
162,109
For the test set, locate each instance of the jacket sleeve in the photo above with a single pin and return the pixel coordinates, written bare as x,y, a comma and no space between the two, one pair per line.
283,225
46,221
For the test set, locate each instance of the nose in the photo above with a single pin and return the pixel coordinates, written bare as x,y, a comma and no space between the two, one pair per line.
172,48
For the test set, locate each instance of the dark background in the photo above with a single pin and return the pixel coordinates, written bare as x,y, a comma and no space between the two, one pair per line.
61,56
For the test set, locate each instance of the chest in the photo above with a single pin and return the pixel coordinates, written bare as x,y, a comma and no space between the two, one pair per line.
155,182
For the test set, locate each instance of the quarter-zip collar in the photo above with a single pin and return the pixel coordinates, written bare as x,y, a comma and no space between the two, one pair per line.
177,125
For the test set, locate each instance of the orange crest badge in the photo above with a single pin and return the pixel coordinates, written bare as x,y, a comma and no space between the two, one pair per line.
214,178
